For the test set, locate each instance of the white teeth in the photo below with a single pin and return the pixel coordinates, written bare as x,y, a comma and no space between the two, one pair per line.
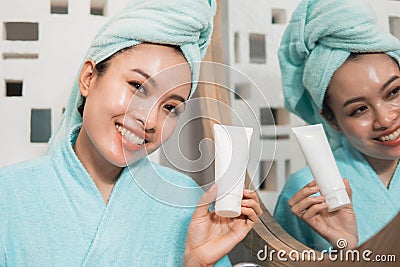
392,136
131,137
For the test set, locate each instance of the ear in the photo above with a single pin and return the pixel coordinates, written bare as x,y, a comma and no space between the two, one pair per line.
332,122
86,77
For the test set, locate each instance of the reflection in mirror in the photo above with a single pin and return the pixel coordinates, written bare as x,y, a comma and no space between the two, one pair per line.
354,157
339,91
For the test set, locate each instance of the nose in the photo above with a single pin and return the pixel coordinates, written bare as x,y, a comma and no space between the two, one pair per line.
148,119
385,115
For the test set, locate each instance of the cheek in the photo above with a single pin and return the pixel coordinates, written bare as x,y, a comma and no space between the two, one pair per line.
117,99
356,128
111,93
167,128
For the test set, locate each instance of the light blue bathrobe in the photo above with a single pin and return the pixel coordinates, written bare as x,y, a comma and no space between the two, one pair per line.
373,203
52,214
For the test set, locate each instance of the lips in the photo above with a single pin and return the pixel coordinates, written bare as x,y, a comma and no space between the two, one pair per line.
390,137
130,136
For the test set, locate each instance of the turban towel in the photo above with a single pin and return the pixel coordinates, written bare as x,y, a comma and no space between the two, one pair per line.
317,41
184,23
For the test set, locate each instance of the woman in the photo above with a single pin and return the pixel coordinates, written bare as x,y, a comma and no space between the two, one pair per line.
84,204
339,68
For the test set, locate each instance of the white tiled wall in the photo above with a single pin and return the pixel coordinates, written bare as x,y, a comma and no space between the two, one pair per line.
47,78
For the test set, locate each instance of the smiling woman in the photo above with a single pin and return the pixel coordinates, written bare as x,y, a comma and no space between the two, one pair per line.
345,74
364,96
82,199
122,97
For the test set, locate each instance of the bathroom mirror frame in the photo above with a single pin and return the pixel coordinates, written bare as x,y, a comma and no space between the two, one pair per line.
267,231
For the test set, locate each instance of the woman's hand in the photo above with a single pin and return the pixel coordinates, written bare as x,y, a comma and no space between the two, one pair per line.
210,237
335,225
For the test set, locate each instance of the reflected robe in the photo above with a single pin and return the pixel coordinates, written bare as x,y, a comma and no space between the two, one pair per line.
374,204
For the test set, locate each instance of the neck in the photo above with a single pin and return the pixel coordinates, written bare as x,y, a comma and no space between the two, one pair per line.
103,173
383,168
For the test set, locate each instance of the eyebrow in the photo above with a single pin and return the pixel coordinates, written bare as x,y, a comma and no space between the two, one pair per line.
392,79
145,75
353,100
357,99
179,98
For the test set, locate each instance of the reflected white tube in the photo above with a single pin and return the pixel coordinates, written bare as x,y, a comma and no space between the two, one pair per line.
319,157
232,145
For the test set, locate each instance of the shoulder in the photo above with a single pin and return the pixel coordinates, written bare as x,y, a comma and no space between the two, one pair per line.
20,181
342,155
25,170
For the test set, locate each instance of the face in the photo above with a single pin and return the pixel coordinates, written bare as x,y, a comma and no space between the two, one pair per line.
365,99
133,107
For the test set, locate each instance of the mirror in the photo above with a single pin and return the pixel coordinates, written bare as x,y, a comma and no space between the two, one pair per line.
268,235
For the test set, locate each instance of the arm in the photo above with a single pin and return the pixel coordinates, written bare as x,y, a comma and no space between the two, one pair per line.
210,237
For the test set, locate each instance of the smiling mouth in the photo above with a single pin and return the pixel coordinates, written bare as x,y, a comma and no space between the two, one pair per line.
390,137
131,137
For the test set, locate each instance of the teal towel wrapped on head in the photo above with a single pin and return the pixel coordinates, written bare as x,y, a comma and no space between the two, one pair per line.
319,38
187,24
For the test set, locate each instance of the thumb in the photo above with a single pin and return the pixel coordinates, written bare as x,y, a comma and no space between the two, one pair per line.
205,201
348,188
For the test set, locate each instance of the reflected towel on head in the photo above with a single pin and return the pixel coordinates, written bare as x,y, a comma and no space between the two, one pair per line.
184,23
319,38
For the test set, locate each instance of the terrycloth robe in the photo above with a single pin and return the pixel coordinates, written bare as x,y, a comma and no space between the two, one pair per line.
374,204
52,214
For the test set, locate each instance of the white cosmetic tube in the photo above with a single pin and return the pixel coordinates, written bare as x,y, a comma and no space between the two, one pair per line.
232,145
323,166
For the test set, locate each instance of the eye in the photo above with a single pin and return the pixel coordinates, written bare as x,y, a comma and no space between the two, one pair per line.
174,111
138,87
358,111
394,92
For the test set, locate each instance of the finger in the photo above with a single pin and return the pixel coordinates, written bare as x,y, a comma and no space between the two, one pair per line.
250,214
250,195
348,188
314,210
205,201
253,204
300,208
303,193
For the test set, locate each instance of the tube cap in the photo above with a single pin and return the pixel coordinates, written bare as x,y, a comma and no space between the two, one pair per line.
337,199
229,206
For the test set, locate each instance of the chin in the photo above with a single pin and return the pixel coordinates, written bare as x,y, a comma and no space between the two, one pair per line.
132,159
118,163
